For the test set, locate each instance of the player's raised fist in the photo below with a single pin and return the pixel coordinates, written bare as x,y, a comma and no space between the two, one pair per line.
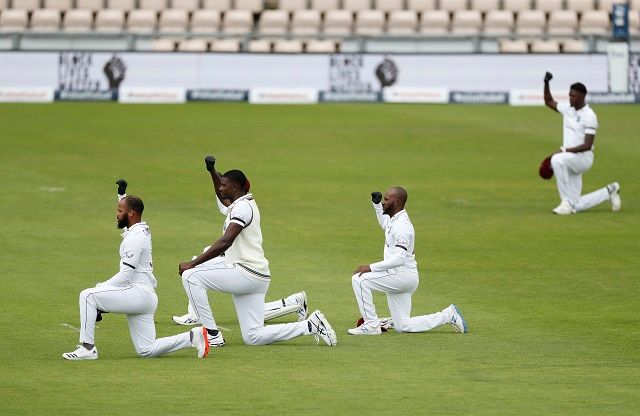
548,77
376,197
210,163
122,186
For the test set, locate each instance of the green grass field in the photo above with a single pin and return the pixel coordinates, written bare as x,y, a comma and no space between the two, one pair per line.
552,302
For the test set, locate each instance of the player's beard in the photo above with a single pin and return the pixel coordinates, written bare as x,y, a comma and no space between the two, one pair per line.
123,223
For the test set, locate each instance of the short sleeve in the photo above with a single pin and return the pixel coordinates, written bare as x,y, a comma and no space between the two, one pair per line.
590,124
563,107
241,214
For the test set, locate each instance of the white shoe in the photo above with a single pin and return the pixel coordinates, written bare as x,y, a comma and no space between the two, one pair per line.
457,321
614,195
215,341
200,340
320,328
301,299
81,354
365,329
186,319
565,208
386,324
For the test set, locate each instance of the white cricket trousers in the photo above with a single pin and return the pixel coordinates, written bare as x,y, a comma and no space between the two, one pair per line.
138,304
399,284
568,169
248,296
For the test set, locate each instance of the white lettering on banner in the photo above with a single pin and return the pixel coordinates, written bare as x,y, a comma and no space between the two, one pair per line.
534,97
283,96
26,95
152,95
415,95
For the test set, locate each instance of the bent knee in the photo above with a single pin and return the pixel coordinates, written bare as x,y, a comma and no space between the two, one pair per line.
253,338
402,326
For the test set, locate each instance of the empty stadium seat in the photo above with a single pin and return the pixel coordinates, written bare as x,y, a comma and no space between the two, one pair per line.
252,5
580,5
45,20
173,20
545,46
485,5
237,21
516,5
142,21
321,46
388,5
274,22
356,5
126,5
163,45
574,46
62,5
259,46
547,6
434,22
498,22
606,5
287,46
193,45
562,22
466,22
531,22
28,5
77,20
109,20
13,20
93,5
421,5
305,22
189,5
338,22
325,5
292,5
453,5
156,5
4,4
402,22
514,46
594,22
634,22
205,21
220,5
369,22
225,45
634,5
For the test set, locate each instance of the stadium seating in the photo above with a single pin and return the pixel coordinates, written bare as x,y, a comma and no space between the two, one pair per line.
453,5
93,5
321,46
388,5
305,22
287,46
225,45
594,22
205,21
188,5
173,20
28,5
125,5
369,22
545,46
77,20
485,5
237,21
421,5
259,46
45,20
220,5
434,22
163,45
109,21
634,22
498,22
562,22
61,5
574,46
274,22
548,6
253,6
292,5
513,46
466,22
193,45
356,5
531,22
13,20
142,21
516,5
402,22
338,22
325,5
580,5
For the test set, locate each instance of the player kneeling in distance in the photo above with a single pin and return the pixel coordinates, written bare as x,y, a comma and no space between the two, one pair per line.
244,274
396,275
131,291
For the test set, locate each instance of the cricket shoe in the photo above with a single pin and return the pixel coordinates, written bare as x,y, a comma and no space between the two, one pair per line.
614,196
386,324
301,299
321,328
215,340
186,319
81,354
365,329
457,321
565,208
200,341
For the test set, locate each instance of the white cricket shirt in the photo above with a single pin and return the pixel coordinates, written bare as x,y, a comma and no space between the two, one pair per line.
577,124
246,250
136,263
399,241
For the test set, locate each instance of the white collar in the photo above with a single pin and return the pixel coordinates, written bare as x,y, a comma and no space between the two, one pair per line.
399,214
242,198
127,230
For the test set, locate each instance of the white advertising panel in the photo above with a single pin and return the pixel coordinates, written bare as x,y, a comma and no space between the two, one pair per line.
535,97
132,95
415,95
283,96
26,94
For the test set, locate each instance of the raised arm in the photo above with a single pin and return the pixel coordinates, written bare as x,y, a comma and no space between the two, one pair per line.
216,178
548,98
376,197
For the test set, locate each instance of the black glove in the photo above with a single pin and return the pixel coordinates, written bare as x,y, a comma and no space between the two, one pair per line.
122,186
210,163
376,197
548,77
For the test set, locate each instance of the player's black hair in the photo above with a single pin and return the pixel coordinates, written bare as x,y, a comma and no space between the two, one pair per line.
134,203
579,86
237,176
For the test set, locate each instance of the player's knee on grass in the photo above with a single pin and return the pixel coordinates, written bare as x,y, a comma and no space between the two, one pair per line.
252,337
401,325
